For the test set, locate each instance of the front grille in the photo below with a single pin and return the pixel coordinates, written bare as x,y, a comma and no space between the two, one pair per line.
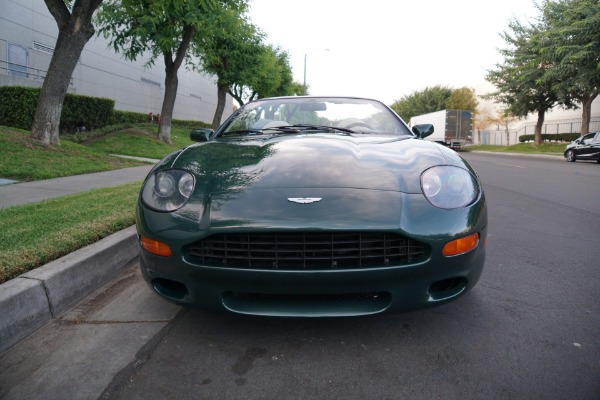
306,250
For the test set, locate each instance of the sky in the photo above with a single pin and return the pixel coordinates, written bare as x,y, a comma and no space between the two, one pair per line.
387,49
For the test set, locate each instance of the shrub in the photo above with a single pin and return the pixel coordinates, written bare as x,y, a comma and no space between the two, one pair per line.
85,111
17,106
128,117
18,103
551,137
179,123
17,109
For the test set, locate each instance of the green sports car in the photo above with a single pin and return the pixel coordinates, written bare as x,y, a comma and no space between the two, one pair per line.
312,206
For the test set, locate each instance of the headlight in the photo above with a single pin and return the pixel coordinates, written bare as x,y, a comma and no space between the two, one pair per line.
449,187
168,190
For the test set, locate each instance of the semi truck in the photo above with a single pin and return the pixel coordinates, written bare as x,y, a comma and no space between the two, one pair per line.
452,128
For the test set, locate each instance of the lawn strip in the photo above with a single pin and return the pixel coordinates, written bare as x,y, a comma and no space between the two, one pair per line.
24,159
34,234
141,142
523,148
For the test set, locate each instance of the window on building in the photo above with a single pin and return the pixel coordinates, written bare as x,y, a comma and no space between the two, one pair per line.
17,60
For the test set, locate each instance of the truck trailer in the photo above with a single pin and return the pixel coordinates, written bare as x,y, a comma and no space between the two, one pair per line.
452,128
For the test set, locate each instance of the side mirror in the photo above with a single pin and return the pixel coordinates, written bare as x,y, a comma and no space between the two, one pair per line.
201,134
423,130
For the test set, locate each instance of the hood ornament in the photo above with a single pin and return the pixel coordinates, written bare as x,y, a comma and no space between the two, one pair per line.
304,200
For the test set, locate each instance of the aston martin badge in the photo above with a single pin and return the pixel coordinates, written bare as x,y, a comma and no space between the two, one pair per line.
304,200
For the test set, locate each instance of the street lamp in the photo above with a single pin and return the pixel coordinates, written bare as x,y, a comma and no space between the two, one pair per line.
305,54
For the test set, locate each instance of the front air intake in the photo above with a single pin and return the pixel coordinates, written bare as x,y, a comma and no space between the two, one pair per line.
306,250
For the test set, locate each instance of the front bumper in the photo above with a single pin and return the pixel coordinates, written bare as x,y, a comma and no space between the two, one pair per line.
394,288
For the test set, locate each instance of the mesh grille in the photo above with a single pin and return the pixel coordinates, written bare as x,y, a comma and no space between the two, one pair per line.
306,250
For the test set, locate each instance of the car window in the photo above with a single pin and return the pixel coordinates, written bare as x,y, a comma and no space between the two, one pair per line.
288,115
587,139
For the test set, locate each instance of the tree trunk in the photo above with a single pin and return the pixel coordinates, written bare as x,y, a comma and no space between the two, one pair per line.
221,99
74,32
237,95
586,113
538,128
166,114
171,82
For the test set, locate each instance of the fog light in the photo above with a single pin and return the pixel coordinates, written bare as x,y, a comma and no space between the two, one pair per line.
462,245
155,247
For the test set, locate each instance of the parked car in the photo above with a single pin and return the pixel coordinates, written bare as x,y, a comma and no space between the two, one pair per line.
312,206
584,148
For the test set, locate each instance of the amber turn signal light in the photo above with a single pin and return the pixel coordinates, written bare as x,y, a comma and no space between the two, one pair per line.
462,245
155,247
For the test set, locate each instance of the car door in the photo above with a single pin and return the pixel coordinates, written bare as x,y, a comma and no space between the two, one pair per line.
584,149
595,147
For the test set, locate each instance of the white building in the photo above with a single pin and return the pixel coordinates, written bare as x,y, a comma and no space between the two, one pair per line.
28,33
557,120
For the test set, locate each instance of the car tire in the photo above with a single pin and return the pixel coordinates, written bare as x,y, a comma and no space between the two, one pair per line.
570,156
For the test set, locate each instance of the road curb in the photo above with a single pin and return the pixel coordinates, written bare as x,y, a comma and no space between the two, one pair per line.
34,298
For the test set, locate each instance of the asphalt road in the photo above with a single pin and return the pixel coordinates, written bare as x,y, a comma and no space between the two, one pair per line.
529,330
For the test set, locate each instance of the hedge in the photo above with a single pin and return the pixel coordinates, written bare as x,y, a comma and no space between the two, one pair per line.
18,103
129,117
85,111
17,106
551,137
17,109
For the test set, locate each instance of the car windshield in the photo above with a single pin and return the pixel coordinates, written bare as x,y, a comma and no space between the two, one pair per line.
312,115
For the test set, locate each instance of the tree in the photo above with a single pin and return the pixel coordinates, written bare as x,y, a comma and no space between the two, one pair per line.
269,76
429,100
481,120
462,99
518,78
504,118
569,43
75,28
286,85
160,28
231,48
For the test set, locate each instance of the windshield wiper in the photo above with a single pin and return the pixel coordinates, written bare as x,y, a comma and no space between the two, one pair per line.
288,129
283,129
323,127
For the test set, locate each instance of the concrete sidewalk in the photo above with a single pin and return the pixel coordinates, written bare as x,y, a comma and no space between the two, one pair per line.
29,192
36,297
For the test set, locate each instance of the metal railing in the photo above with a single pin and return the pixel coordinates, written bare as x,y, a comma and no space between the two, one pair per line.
560,126
24,71
499,137
21,71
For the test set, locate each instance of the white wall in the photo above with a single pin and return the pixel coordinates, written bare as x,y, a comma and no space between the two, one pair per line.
101,72
490,107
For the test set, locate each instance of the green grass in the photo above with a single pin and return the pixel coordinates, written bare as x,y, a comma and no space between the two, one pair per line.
24,159
140,142
34,234
525,148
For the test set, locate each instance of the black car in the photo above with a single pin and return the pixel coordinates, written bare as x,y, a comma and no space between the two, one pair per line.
585,148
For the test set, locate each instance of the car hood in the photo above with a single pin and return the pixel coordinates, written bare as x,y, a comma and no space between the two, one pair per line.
311,161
